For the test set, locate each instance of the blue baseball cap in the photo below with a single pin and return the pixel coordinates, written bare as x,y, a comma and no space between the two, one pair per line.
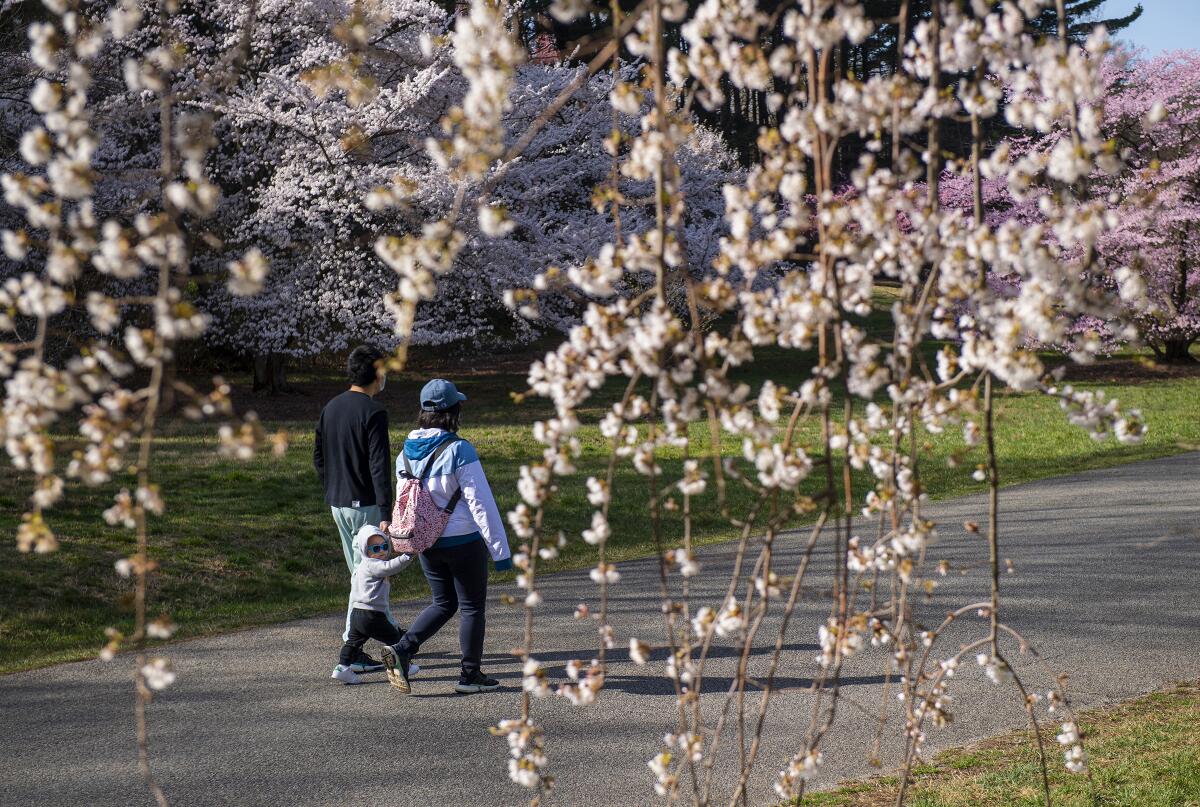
439,394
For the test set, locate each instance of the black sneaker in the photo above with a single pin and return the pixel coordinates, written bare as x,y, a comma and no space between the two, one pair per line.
397,664
476,682
366,664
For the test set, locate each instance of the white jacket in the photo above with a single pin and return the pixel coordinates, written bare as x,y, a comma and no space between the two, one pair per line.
458,468
369,585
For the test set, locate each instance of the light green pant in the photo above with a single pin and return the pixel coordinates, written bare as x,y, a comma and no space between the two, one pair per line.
349,521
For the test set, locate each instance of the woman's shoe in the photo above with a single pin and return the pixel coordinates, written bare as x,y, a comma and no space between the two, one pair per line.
397,664
476,682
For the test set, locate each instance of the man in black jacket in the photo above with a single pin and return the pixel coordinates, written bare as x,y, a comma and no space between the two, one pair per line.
353,459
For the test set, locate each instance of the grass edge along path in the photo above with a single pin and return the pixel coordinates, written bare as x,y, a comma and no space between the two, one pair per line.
1142,752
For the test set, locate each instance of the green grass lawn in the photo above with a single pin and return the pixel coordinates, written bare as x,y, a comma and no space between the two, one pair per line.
1142,753
251,543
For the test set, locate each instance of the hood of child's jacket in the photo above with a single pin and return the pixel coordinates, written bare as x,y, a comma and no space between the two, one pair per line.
423,442
365,533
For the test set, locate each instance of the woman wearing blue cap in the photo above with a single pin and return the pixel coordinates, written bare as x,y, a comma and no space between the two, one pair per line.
456,566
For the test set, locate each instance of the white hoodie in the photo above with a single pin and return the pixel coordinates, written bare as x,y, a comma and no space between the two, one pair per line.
370,586
458,468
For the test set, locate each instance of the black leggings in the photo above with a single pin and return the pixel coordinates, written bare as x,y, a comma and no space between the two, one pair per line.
457,578
367,624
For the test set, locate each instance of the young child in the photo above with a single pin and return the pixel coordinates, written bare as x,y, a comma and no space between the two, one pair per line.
369,590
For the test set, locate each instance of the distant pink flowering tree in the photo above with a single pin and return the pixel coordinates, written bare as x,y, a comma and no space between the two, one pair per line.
1153,113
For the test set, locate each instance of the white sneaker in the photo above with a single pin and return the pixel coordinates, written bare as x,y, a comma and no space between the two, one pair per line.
346,675
349,676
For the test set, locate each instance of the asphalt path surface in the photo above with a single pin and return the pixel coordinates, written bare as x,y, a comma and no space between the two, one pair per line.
1104,582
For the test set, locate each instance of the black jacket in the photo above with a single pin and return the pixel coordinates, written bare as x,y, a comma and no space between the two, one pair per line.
351,452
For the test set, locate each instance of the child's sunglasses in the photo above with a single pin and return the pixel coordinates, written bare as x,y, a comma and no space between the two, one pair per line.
378,547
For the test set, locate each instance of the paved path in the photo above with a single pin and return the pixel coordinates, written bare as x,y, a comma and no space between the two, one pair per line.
1107,565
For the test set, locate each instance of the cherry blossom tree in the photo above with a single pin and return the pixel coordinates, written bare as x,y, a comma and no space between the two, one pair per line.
304,199
298,147
299,151
1152,111
1149,111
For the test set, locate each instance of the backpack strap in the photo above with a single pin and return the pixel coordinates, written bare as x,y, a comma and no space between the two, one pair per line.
449,508
428,469
407,473
433,459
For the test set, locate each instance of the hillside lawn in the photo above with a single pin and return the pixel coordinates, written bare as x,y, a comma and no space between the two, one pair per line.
249,543
1141,753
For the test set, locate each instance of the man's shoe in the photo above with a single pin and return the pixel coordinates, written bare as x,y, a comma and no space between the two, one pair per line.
366,664
476,682
345,675
399,667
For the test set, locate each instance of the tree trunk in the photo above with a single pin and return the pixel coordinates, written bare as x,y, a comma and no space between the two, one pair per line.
270,373
1177,351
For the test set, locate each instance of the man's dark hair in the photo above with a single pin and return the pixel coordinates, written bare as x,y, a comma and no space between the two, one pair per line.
445,419
362,367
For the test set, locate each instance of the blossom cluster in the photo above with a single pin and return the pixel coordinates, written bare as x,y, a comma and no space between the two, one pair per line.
799,265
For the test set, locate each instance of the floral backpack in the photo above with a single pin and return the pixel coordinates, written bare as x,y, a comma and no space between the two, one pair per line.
417,522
